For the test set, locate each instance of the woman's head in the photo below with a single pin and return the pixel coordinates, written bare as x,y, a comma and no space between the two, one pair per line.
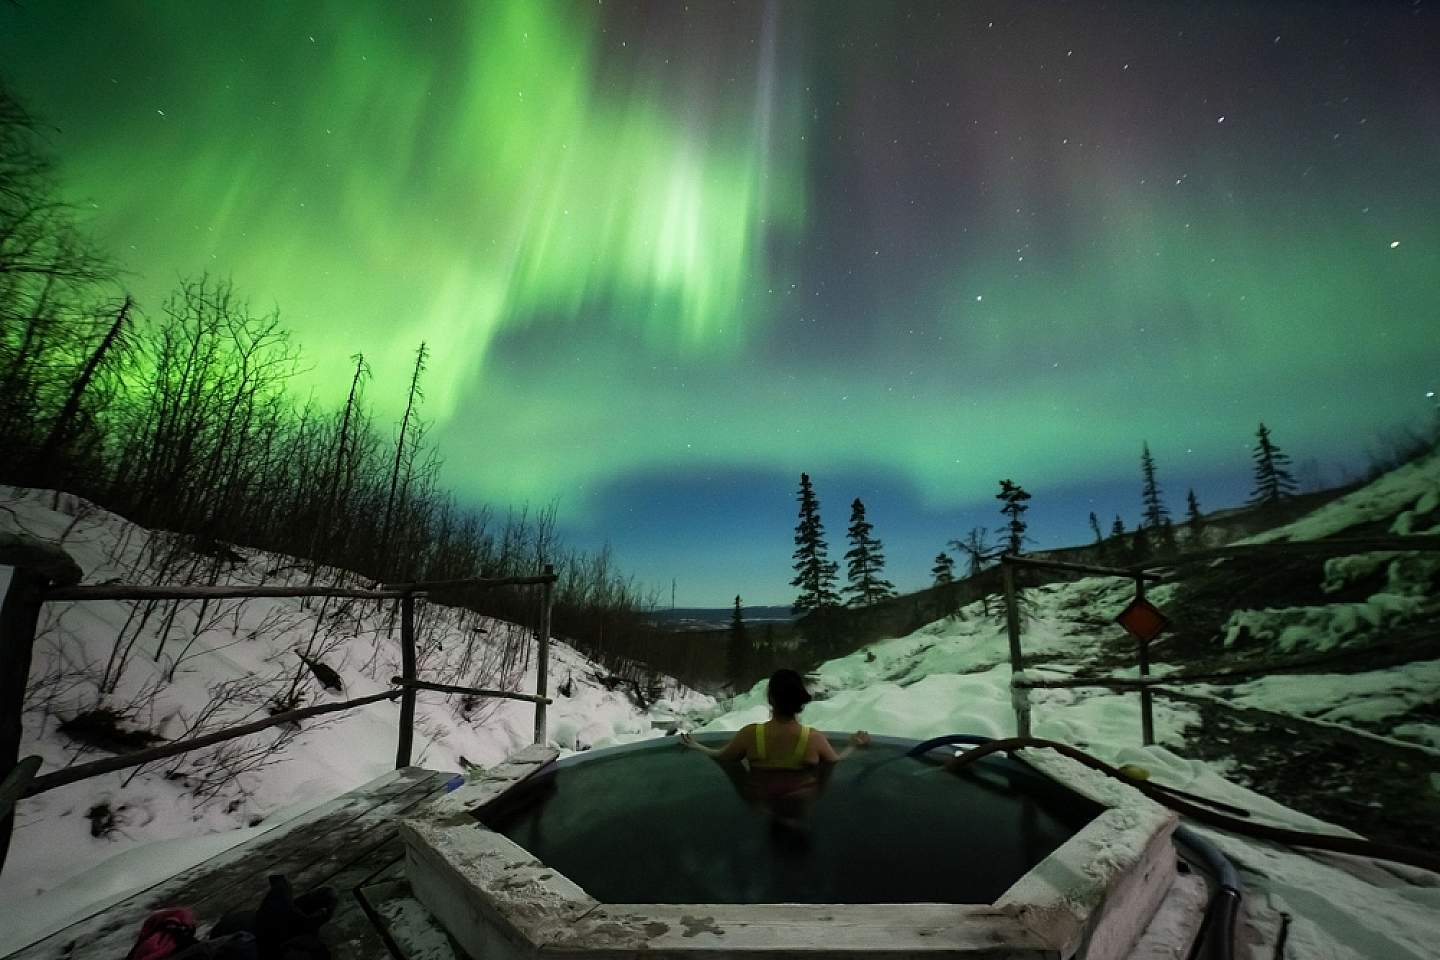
786,693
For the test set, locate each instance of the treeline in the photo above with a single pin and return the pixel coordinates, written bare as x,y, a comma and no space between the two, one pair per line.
189,419
832,627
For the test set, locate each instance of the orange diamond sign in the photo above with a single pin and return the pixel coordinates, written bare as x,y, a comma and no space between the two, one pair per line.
1143,620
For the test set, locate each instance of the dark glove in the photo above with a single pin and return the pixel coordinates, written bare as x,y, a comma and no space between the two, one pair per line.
282,916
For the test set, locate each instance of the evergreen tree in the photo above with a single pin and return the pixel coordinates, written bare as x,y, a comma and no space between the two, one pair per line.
1194,522
944,569
1014,496
1140,545
1273,482
865,561
978,548
1095,528
980,551
814,573
1156,516
737,652
1115,546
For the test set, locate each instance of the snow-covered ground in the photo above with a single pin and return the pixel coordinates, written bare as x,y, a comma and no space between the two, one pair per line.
225,666
947,677
954,675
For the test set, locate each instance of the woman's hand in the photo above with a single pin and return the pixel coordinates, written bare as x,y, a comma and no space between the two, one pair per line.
686,740
859,739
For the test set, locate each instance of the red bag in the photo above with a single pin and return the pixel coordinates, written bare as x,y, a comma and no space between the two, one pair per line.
165,932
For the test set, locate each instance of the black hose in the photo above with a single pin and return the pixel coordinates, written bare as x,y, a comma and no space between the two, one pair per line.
1216,937
1355,846
1215,940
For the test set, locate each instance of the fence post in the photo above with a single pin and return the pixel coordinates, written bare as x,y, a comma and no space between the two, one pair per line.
407,670
35,565
542,666
1018,695
1147,700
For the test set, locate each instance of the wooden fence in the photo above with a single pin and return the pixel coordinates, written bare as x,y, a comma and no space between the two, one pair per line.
1149,687
45,573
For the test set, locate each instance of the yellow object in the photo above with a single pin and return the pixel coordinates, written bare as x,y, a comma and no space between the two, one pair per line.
1135,772
797,757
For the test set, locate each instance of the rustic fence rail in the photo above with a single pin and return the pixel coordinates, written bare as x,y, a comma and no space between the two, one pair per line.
1148,686
45,573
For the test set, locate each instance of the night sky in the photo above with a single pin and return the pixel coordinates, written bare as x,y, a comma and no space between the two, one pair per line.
668,256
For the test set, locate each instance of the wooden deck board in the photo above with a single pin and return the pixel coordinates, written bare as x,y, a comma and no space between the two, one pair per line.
342,843
403,920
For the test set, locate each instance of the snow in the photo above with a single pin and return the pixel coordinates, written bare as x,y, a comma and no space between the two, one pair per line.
235,661
1407,594
1368,697
951,676
1408,495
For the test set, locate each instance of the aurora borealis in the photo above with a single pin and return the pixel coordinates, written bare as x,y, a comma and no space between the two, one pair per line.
668,256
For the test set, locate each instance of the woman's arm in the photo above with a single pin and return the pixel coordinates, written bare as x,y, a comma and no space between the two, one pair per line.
827,753
734,750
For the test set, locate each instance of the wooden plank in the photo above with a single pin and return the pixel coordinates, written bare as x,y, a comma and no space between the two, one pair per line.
542,663
407,667
831,931
44,558
19,613
115,922
12,788
84,771
1018,695
479,583
1129,573
1277,548
467,691
1147,702
472,796
311,855
147,591
411,930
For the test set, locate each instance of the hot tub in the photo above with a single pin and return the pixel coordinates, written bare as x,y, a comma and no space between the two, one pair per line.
651,848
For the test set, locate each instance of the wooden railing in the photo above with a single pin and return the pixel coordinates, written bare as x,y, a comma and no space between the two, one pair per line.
1145,685
45,573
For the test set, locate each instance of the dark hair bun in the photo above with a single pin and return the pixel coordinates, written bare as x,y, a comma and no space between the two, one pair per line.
787,692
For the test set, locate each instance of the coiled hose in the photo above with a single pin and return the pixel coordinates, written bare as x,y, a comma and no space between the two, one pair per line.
1216,938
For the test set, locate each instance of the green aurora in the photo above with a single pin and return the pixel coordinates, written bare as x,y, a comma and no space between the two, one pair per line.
645,242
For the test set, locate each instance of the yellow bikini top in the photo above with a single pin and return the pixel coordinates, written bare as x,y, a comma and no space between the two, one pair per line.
797,757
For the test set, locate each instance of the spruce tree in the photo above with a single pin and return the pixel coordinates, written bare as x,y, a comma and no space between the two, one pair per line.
944,569
814,573
1140,545
978,548
1273,482
1115,546
980,551
1014,496
1156,516
865,561
737,652
1194,522
1095,528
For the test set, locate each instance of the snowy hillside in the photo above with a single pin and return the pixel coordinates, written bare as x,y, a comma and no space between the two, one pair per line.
233,661
953,676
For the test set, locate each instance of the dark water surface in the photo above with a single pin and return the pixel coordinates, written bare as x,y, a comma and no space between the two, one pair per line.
670,826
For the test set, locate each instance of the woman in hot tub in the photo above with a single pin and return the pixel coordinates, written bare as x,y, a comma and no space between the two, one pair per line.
786,760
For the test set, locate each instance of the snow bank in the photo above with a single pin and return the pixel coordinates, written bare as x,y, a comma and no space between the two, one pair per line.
1409,592
231,663
1409,494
